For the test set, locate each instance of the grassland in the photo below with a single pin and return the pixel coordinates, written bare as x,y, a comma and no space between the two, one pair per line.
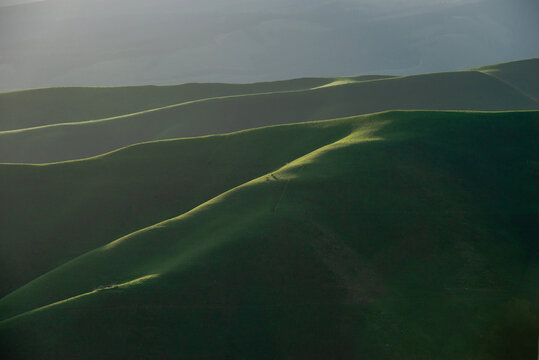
394,235
227,221
285,102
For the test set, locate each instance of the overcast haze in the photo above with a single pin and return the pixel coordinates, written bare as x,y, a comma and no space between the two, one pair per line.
127,42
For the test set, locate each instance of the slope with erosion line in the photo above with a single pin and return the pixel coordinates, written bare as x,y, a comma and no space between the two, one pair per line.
45,207
522,75
343,253
468,90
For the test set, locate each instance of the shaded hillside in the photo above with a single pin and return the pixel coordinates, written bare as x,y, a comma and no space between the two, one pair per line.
29,108
522,75
410,235
468,90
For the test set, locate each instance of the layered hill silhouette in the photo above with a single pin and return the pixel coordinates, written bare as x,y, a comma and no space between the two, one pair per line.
398,234
61,140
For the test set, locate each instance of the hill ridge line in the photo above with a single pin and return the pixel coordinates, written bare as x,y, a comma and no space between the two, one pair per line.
108,153
149,111
178,84
337,81
504,63
355,132
332,82
93,292
149,142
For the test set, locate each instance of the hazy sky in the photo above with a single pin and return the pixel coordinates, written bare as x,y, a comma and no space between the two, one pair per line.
16,2
125,42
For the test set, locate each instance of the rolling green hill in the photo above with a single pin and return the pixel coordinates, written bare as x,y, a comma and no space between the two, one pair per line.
466,90
404,234
144,184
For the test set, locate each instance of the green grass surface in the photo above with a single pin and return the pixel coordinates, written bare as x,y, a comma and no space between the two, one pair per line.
466,90
397,235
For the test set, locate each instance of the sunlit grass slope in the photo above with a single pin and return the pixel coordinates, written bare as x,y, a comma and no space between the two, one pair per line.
52,213
467,90
411,235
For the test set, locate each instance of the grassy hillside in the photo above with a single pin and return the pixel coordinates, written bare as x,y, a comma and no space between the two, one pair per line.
30,108
97,200
409,235
48,106
468,90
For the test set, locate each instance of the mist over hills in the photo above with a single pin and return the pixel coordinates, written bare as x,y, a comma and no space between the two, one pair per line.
126,42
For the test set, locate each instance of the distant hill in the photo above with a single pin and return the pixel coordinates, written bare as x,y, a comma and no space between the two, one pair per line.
395,235
522,75
30,108
232,108
49,106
